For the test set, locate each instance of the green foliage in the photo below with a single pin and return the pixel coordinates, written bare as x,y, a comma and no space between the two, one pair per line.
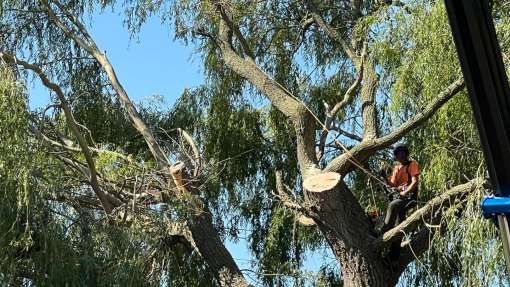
243,140
447,146
47,243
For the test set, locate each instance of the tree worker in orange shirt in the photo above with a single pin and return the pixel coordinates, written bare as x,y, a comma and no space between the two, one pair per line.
404,181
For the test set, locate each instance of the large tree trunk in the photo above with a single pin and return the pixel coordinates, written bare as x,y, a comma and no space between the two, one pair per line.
363,267
202,234
214,252
346,227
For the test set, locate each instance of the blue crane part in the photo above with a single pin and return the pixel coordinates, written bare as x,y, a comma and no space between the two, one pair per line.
494,205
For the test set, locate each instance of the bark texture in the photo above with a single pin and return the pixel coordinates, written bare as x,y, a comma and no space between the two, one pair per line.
214,252
202,234
347,230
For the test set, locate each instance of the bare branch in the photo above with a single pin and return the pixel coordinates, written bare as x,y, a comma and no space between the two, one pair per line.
441,201
73,20
332,33
85,44
303,214
362,151
194,148
90,46
347,134
330,115
452,90
73,125
349,94
280,97
368,99
244,44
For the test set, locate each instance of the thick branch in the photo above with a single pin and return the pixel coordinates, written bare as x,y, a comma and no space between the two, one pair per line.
204,236
280,97
332,32
330,115
248,69
85,44
368,99
90,46
424,115
362,151
244,44
73,125
441,201
420,242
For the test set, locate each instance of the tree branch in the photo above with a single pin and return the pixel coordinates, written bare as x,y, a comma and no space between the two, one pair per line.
75,164
244,44
203,234
343,163
440,202
280,97
368,99
93,50
73,125
332,33
452,90
196,160
284,197
330,115
347,134
69,145
420,242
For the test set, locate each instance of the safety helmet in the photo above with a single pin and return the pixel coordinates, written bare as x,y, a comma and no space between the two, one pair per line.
399,148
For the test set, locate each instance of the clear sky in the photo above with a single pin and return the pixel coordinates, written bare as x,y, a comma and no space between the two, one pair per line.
151,64
154,64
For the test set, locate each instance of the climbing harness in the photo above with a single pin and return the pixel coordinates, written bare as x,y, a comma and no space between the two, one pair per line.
487,84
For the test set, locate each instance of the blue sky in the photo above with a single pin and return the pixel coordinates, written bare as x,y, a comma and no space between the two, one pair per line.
154,64
151,64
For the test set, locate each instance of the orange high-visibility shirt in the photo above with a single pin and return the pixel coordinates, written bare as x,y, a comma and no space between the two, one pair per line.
402,174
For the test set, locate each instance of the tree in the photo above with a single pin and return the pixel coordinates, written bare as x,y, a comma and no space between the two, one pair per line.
325,73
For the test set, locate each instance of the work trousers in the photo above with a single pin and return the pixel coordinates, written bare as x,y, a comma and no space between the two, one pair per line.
396,212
